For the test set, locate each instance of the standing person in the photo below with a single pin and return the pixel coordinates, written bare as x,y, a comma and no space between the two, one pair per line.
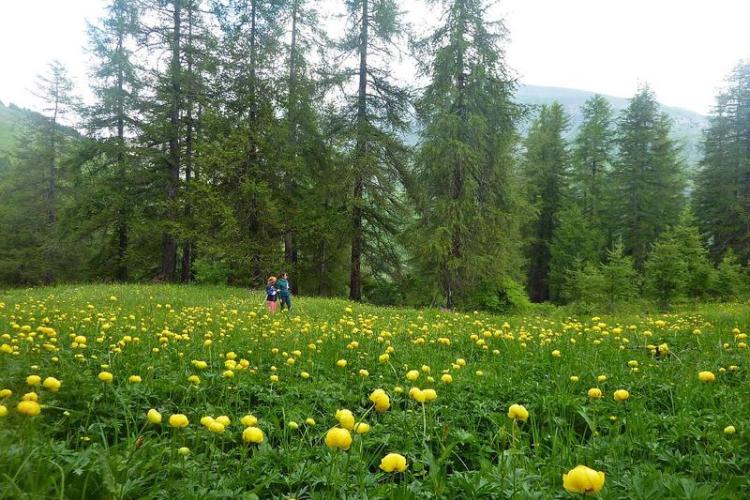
285,291
271,293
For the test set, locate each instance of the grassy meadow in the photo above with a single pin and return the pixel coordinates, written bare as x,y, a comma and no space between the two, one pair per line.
94,360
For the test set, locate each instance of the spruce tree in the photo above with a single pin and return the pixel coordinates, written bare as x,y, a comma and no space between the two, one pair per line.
722,195
647,179
546,169
593,154
467,238
665,272
619,277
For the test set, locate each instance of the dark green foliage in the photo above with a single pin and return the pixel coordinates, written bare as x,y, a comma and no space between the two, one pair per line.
665,271
466,234
546,171
729,284
647,178
722,194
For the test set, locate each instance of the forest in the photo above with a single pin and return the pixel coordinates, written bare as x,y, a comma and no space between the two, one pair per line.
232,139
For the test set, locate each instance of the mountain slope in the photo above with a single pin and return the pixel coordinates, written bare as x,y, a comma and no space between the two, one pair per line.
687,125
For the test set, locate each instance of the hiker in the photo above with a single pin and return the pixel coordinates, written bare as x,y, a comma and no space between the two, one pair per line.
285,292
271,293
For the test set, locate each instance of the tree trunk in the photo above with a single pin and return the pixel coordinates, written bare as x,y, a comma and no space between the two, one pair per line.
169,242
121,270
355,277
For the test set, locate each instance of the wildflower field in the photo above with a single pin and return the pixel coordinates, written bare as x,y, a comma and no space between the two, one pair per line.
190,392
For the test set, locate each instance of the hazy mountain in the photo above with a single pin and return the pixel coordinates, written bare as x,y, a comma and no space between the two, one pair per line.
687,125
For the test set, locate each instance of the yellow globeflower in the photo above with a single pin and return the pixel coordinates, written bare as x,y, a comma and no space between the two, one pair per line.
583,480
51,384
341,363
293,425
417,394
362,428
446,378
345,418
574,378
429,395
5,393
412,375
33,379
595,393
30,396
249,420
29,408
393,462
310,421
3,410
178,420
706,376
729,429
184,451
621,395
556,353
223,420
153,416
105,377
252,435
518,412
135,379
215,426
381,400
338,438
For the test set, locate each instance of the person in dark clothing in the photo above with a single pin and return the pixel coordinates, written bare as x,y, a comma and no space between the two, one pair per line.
285,291
271,293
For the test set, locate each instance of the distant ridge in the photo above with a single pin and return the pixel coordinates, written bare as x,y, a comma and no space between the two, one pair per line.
687,125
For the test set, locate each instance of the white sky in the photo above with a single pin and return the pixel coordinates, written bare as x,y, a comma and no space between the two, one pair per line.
682,48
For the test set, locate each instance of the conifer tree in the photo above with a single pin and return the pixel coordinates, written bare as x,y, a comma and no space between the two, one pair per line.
546,169
468,220
647,179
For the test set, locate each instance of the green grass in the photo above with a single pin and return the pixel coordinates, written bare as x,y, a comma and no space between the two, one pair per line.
92,439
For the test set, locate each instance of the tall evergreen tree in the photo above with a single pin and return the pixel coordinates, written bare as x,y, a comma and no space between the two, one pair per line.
546,168
593,153
468,227
722,195
376,115
106,197
647,178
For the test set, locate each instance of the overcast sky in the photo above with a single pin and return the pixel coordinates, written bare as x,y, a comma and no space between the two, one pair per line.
682,48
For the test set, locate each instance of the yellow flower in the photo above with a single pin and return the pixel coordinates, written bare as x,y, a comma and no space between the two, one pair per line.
293,425
153,416
51,384
252,435
364,373
518,412
595,393
393,462
29,408
417,394
429,394
706,376
381,400
583,480
214,426
362,428
446,378
574,378
194,379
601,378
341,363
33,379
412,375
3,410
729,429
178,420
206,421
5,393
249,420
184,451
556,353
338,438
135,379
621,395
345,418
384,358
223,420
310,421
105,377
304,375
30,396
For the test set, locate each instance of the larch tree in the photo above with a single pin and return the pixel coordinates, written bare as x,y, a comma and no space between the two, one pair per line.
467,229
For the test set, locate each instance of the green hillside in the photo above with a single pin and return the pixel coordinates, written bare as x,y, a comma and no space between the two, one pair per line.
687,125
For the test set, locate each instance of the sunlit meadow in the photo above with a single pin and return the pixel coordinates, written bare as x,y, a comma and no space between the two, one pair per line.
190,392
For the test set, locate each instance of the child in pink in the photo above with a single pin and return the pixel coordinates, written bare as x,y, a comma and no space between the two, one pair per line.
271,294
